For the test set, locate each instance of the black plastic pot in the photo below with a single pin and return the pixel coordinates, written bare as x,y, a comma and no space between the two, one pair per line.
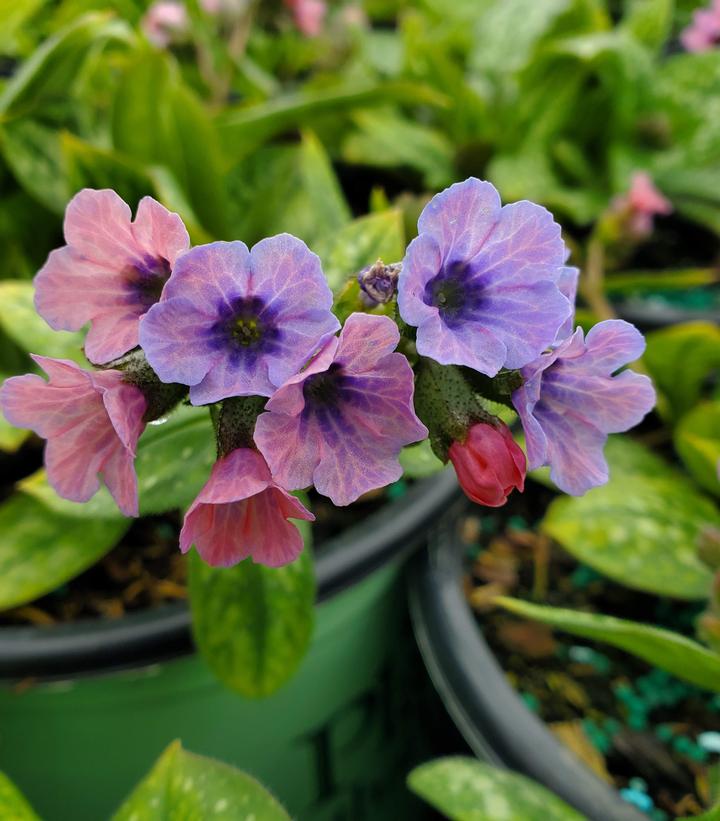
335,742
489,714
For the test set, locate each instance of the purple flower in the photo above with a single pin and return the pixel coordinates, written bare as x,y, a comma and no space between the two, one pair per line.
567,282
480,281
111,270
571,401
341,423
234,322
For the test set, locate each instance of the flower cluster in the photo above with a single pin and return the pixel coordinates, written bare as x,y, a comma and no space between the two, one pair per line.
299,400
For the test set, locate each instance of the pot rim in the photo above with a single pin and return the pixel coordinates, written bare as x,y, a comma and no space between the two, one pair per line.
149,636
490,715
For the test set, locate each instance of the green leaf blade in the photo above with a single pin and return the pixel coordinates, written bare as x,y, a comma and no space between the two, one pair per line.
464,789
670,651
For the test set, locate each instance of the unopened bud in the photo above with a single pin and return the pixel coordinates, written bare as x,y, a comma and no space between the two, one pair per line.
379,281
709,547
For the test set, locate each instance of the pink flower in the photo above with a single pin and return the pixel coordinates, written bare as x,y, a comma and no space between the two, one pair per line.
164,21
703,33
92,422
489,464
642,202
309,15
111,271
243,512
341,422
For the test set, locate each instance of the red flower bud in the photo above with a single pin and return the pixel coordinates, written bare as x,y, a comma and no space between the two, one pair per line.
489,464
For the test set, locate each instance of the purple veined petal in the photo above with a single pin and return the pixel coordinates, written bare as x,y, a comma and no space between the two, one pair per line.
111,335
524,246
365,340
353,467
575,451
568,284
229,377
211,275
524,318
288,398
474,346
70,290
177,341
351,407
292,446
612,344
536,445
159,232
460,218
98,225
422,262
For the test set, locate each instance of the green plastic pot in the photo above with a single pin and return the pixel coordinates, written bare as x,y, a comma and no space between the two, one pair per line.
335,743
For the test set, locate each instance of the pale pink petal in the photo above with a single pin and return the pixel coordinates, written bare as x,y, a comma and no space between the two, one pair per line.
159,232
365,340
98,226
111,335
70,290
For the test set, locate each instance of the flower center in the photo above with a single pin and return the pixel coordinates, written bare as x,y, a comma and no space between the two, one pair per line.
324,389
146,279
245,326
453,292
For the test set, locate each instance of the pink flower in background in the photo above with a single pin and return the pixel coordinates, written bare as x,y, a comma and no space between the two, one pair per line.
309,15
243,512
341,423
111,270
645,202
92,422
165,21
703,33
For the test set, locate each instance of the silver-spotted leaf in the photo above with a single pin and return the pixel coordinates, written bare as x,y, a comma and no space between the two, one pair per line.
464,789
252,624
183,786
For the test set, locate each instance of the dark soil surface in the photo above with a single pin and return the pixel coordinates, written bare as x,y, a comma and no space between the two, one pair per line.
639,728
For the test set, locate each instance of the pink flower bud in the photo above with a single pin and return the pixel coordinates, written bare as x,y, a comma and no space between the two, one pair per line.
489,464
309,15
164,22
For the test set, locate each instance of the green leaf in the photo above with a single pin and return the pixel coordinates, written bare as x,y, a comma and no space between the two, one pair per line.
21,322
697,441
87,166
242,129
641,528
629,282
174,460
252,624
649,21
42,549
507,33
464,789
190,787
680,359
32,152
670,651
385,139
419,461
14,17
360,243
287,188
46,77
157,120
13,804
